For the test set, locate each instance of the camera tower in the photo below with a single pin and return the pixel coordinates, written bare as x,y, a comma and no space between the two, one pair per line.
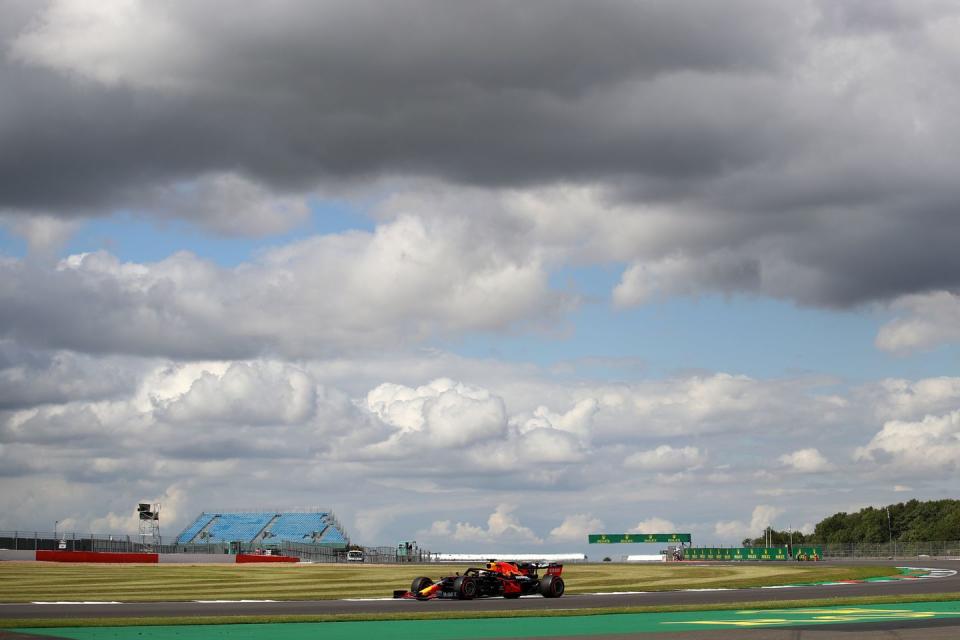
149,516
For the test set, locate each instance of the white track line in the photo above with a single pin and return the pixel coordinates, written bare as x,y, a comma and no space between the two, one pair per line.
781,586
229,601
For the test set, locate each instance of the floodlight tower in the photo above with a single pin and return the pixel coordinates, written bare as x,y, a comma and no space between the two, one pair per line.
149,515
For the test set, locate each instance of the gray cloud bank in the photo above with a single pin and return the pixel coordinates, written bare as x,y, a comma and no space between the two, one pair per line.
288,93
801,150
406,283
204,435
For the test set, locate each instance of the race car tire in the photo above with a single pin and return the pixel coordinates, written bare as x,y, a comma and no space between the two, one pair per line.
419,584
551,587
465,587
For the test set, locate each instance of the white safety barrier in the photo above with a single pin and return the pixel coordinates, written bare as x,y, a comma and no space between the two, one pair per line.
520,557
196,558
658,557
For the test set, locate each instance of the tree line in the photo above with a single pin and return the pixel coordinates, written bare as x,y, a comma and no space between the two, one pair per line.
913,521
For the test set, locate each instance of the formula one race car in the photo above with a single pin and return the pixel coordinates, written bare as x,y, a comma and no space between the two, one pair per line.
505,579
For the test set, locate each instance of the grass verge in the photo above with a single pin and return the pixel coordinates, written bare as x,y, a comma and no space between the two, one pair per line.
25,623
31,582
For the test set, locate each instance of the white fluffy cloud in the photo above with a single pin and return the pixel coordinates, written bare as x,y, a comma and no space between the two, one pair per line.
444,413
577,421
171,509
654,525
930,444
502,526
806,461
407,280
676,274
896,398
763,515
533,449
115,41
706,404
44,234
439,528
927,320
261,393
576,528
666,458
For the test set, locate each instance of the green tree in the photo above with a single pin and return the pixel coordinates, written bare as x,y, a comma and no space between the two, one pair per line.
912,521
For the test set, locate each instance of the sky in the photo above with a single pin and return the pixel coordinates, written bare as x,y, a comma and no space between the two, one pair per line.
491,276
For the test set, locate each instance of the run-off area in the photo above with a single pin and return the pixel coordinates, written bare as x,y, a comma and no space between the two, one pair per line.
566,626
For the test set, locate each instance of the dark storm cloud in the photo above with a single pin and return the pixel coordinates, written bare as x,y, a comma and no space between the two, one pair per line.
819,133
74,149
476,92
78,426
100,320
870,16
226,447
30,378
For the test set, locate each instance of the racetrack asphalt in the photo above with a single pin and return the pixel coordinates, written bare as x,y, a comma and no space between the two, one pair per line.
905,588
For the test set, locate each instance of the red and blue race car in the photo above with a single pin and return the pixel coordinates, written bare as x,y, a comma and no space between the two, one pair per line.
497,579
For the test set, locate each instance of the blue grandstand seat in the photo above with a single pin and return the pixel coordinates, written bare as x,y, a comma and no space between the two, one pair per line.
265,528
333,535
190,532
297,527
238,526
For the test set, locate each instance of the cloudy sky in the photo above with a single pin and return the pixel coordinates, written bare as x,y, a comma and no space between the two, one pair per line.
487,275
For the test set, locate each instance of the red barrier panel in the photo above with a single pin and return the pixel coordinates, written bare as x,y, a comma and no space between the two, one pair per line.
96,556
245,558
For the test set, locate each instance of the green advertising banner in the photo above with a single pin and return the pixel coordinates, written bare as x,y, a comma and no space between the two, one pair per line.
636,538
808,553
752,553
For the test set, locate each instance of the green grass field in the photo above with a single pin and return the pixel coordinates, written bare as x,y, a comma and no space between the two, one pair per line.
27,582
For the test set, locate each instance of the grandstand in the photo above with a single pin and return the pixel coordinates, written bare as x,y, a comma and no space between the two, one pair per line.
266,528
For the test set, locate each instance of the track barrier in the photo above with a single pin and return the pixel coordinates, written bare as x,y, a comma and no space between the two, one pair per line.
782,554
139,558
93,556
244,558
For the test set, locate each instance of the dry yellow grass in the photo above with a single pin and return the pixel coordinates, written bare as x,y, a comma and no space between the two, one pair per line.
25,582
